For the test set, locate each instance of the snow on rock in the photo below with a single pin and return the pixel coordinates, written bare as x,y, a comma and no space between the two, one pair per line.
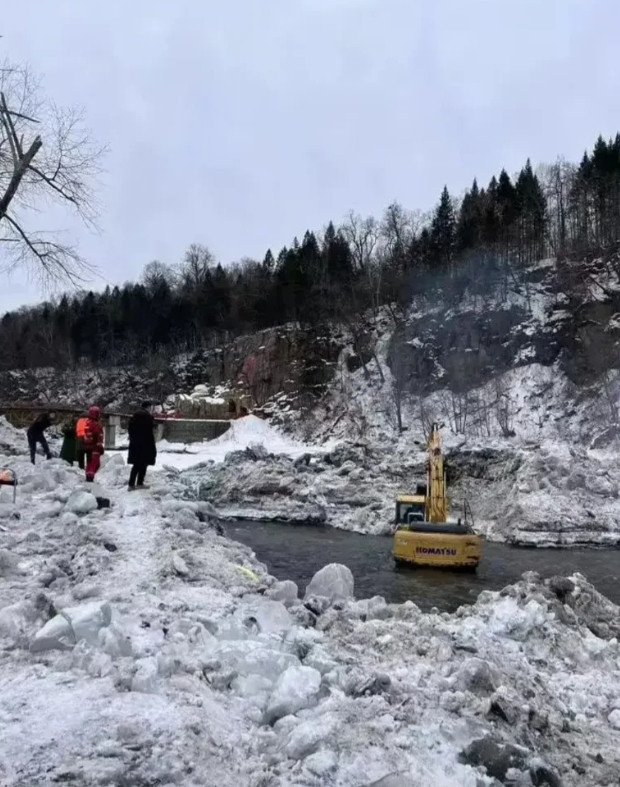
334,582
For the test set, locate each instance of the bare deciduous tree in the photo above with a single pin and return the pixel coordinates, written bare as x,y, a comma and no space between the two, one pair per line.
196,267
362,235
47,157
157,274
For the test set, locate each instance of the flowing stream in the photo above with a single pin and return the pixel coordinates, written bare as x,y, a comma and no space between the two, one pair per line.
297,552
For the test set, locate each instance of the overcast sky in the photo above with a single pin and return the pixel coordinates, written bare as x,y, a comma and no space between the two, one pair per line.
241,123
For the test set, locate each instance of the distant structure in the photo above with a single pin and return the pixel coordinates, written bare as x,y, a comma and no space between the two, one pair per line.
201,404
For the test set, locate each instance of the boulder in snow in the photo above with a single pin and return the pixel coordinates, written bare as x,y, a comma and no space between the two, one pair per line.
505,703
498,758
73,624
334,581
476,675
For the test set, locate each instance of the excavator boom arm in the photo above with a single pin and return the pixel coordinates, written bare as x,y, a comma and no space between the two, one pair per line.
436,482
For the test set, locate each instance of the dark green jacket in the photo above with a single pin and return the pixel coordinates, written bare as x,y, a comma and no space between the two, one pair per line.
69,443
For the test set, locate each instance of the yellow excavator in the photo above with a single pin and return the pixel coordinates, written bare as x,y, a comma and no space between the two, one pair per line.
423,535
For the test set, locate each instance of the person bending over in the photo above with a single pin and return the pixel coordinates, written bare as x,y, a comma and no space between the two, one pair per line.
35,434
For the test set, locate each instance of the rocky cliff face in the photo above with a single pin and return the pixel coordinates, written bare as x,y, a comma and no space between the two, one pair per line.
287,359
564,313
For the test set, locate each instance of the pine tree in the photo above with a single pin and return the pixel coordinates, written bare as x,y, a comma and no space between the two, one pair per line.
470,225
269,262
338,260
443,231
491,215
531,214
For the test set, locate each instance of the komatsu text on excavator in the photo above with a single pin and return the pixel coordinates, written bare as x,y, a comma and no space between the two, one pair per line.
423,536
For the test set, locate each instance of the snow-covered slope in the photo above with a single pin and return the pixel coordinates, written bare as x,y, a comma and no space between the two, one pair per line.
139,647
242,434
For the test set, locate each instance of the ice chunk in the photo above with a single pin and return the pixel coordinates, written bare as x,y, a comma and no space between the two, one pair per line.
73,624
322,762
13,620
68,519
286,592
81,502
296,688
306,738
115,460
319,659
96,664
272,616
265,615
250,657
614,719
145,679
114,642
52,509
378,608
334,581
255,688
179,565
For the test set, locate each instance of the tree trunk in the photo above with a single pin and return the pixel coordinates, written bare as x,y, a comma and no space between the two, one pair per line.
18,174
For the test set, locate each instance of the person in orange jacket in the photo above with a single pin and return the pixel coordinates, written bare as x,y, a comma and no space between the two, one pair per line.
93,442
80,431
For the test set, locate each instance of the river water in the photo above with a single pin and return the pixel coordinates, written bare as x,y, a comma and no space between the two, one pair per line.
297,552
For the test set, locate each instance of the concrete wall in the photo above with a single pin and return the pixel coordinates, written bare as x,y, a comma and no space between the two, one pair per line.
190,430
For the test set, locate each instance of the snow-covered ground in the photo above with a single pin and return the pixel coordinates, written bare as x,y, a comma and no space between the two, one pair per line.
242,434
138,646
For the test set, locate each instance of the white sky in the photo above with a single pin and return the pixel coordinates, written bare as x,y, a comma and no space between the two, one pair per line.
242,123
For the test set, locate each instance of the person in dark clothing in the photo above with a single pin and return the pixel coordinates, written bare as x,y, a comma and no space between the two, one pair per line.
35,435
68,452
142,449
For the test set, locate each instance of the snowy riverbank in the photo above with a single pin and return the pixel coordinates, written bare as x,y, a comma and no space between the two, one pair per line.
178,660
549,494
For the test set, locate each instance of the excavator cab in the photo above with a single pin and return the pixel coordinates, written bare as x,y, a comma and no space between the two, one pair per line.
409,509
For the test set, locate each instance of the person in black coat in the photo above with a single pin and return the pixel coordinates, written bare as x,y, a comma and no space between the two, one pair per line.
142,449
35,434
